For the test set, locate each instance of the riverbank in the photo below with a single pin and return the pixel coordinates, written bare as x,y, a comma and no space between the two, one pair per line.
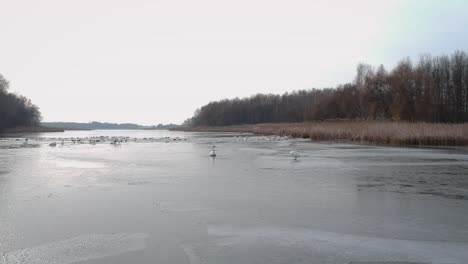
33,129
374,132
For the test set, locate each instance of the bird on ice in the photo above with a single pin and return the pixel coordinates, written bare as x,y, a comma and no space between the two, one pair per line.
294,154
212,152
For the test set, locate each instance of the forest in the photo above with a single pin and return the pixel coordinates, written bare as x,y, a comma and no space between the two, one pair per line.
16,110
435,89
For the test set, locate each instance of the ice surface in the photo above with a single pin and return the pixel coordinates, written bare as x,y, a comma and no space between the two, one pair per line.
338,203
77,249
286,245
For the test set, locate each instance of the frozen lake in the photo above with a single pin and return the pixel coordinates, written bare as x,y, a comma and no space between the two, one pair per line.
159,198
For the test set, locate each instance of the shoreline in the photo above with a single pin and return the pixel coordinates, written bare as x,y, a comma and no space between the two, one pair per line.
32,129
364,132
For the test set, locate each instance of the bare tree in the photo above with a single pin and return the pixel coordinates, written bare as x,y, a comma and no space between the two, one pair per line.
435,90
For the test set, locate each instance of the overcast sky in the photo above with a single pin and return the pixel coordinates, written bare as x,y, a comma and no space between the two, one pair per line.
150,61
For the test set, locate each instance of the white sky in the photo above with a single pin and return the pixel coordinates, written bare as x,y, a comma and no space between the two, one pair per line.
150,62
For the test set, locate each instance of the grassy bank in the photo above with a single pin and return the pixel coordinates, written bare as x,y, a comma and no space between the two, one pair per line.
33,129
389,133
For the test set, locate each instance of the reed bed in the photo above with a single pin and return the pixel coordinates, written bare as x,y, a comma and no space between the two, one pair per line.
375,132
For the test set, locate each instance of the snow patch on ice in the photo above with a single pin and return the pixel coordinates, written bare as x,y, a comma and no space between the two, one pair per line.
77,249
286,245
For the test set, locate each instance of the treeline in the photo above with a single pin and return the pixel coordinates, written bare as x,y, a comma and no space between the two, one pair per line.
435,89
16,110
91,125
103,125
162,126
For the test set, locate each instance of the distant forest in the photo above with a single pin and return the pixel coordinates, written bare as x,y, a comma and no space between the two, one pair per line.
103,125
90,125
435,89
16,110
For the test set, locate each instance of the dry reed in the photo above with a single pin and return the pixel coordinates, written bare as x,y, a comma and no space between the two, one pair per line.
375,132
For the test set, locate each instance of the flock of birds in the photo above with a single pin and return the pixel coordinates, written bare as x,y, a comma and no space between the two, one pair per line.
119,140
101,139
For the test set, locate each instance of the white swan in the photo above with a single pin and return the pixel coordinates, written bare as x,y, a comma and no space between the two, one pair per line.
294,154
212,152
25,143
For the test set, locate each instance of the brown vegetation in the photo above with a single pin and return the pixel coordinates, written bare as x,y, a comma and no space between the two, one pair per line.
376,132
